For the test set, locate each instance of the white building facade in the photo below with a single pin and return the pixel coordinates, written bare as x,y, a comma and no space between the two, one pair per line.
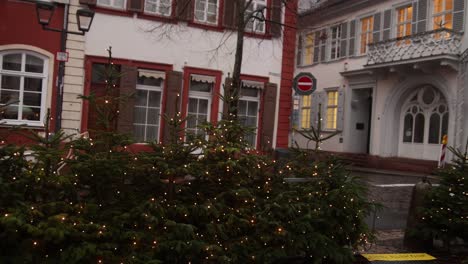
391,76
176,56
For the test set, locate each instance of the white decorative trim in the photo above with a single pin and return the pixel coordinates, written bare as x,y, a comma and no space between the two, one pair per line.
50,68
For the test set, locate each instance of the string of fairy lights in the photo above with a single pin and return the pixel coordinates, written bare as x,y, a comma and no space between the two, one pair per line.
223,166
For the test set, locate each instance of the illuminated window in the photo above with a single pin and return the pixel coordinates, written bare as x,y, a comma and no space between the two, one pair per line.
332,109
309,49
305,111
404,18
367,26
442,14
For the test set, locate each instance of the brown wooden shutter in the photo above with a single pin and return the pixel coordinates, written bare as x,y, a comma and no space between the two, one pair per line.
352,38
268,117
275,18
230,14
128,83
458,15
88,2
377,25
174,88
387,23
422,15
135,5
343,40
227,86
184,9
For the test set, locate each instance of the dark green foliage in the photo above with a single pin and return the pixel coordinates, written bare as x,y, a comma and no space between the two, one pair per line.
195,199
445,213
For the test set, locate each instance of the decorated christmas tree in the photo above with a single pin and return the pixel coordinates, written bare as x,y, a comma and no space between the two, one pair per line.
445,214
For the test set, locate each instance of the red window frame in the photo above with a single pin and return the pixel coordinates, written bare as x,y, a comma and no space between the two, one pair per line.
264,80
215,94
90,60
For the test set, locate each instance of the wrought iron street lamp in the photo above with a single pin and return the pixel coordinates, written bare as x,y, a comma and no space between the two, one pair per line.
84,18
45,11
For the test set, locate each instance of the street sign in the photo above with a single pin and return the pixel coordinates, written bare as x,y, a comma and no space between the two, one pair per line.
305,83
62,56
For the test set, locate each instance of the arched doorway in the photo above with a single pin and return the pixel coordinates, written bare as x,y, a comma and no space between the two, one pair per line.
423,121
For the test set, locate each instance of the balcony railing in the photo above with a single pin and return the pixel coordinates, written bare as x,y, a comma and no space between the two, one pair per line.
422,45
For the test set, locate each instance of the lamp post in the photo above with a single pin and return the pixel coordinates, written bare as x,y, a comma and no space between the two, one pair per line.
84,17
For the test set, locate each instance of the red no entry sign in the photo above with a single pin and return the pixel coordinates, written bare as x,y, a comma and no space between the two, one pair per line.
305,83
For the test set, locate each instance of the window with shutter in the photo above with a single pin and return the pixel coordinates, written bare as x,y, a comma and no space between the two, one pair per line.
258,9
366,33
206,11
117,4
335,42
147,108
306,103
249,106
200,93
158,7
332,110
309,48
404,16
200,100
442,14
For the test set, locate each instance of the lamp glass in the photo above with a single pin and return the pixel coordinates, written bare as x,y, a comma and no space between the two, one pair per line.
84,18
44,12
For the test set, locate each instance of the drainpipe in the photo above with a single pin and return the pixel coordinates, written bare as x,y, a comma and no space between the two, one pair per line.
61,72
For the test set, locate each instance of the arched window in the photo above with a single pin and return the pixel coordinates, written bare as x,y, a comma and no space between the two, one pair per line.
23,86
425,119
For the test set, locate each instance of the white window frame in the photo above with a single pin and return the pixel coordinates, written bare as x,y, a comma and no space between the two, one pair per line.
205,13
335,41
23,74
255,22
442,14
404,23
369,33
154,89
158,4
112,4
257,100
328,106
200,95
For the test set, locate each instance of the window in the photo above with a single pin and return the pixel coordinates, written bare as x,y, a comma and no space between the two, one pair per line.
442,14
309,48
158,7
425,118
257,23
332,109
147,110
367,25
118,4
404,18
23,81
306,103
249,103
206,11
335,42
199,102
